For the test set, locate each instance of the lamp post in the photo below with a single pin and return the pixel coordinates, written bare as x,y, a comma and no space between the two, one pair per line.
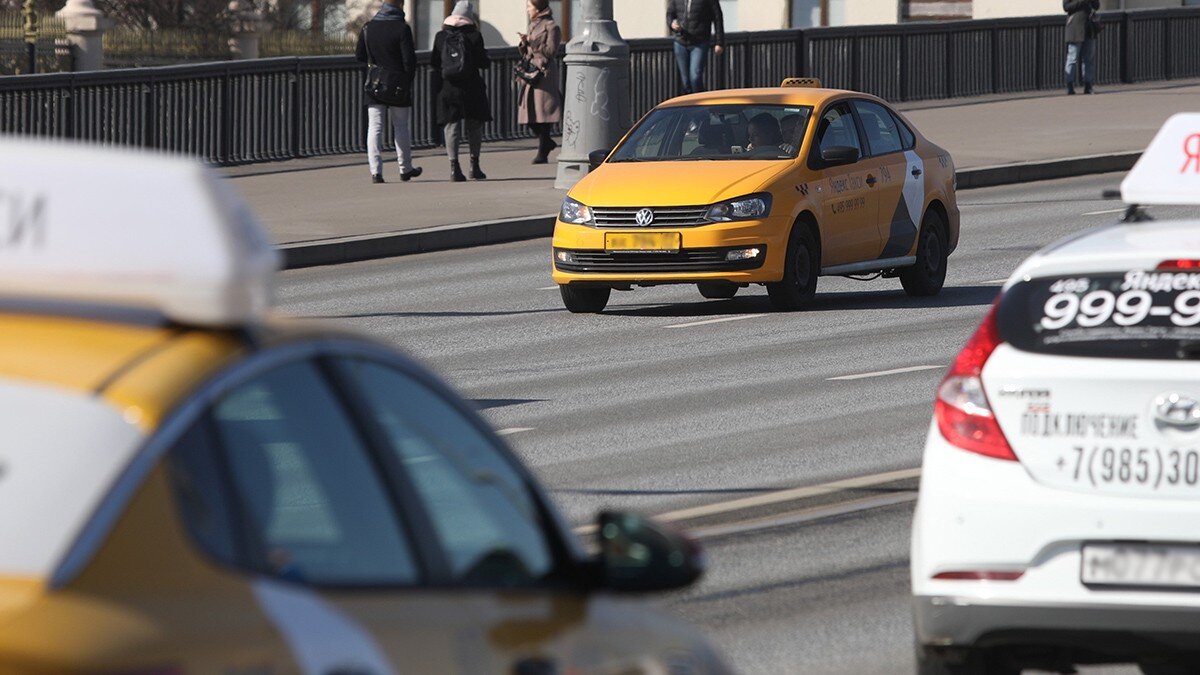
597,92
31,34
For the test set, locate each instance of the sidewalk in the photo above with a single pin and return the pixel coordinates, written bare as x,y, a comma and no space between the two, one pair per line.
332,199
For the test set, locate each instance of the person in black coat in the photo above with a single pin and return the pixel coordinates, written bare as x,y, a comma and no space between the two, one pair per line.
462,100
1081,41
694,24
387,41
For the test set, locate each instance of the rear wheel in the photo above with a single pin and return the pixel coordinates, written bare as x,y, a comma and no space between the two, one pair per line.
717,290
584,299
929,274
801,267
961,662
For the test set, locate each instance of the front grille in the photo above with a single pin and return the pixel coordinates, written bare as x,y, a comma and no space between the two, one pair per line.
664,216
687,260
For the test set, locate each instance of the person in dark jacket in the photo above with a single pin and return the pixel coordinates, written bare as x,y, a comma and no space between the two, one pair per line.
694,24
388,42
462,100
1081,41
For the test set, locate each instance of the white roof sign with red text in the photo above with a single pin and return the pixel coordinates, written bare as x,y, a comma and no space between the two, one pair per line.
1169,171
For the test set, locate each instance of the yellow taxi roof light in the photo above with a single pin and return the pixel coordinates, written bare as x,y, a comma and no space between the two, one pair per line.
807,82
1168,172
131,229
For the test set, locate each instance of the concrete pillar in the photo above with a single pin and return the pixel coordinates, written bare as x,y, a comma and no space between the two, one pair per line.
597,92
246,26
85,31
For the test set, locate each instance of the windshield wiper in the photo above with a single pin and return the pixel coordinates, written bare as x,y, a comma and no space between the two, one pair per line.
635,159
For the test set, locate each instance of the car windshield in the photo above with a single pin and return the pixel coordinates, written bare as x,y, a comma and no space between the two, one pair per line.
716,132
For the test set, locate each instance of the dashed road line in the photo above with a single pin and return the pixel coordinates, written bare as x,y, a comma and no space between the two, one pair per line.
882,373
549,288
1104,213
994,281
706,322
513,430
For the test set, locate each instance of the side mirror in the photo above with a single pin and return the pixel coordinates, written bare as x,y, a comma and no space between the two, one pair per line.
638,554
837,155
596,158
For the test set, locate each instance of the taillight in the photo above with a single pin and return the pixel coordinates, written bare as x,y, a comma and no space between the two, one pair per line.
963,413
1181,264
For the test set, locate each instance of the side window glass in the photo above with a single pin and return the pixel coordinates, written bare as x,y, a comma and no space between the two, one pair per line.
313,498
486,519
880,128
836,127
201,494
907,137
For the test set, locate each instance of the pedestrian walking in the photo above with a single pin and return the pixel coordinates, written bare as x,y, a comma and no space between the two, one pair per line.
462,102
1082,28
694,24
540,103
385,44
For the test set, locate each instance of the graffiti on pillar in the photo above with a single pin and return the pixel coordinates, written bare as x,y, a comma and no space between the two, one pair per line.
600,99
581,88
570,130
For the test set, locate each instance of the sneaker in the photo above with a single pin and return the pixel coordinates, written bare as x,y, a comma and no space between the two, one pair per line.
376,178
411,174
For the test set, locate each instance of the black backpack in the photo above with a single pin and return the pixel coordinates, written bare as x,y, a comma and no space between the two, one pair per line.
454,55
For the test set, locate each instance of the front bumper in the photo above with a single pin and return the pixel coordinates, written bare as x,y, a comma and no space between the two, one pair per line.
702,257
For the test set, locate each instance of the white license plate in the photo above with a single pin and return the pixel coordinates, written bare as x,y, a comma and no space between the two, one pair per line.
1144,565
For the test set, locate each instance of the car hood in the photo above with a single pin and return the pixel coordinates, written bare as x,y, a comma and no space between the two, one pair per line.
691,183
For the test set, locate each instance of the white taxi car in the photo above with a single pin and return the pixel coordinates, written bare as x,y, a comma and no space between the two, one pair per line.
190,484
1058,520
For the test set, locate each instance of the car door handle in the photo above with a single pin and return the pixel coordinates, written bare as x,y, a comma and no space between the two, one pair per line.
916,172
871,180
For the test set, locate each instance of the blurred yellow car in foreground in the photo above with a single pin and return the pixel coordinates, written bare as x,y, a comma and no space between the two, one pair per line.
772,186
189,486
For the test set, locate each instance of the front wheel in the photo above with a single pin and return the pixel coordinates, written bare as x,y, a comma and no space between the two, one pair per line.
801,267
584,299
929,274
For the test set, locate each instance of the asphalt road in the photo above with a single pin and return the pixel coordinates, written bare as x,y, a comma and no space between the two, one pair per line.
668,401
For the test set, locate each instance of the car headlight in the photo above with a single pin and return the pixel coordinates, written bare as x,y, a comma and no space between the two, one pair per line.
575,213
742,208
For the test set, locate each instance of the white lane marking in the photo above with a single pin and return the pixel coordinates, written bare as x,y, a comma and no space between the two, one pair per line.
994,281
1104,213
804,516
721,320
549,288
779,496
513,430
323,639
881,373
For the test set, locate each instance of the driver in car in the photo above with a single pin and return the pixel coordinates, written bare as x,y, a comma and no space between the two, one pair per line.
764,134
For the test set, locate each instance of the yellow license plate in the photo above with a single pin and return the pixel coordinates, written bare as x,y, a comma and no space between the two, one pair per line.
643,242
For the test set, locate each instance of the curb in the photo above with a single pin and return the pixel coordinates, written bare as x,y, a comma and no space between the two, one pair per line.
445,237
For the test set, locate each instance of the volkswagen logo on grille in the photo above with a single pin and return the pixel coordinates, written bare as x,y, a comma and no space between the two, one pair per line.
644,217
1177,411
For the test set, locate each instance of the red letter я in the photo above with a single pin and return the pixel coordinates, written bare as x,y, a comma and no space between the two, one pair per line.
1191,148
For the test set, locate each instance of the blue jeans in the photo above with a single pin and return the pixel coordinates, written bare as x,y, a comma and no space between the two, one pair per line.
691,60
1085,54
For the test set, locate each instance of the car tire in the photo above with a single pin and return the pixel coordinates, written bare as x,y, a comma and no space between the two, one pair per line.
962,662
717,290
802,266
928,275
584,299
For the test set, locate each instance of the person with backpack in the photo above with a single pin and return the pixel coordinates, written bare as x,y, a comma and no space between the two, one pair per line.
540,103
462,102
385,44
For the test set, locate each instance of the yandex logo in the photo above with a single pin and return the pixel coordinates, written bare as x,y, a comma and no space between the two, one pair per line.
1191,148
22,220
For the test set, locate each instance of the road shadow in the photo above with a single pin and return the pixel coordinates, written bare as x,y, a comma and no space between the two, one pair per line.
447,314
951,296
490,403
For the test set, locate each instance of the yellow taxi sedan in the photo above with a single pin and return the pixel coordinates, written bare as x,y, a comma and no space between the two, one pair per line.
190,485
771,186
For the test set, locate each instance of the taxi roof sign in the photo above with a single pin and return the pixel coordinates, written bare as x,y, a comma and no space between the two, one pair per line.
1168,172
83,224
808,82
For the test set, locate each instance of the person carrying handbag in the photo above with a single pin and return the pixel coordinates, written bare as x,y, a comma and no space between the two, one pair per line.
386,46
1080,35
458,59
540,102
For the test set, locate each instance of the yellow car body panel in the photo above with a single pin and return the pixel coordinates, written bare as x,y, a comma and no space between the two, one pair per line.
852,205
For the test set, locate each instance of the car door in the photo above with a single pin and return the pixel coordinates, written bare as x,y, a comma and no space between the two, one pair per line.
849,204
901,187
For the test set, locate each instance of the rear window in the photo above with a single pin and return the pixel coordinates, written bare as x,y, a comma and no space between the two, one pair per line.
1130,315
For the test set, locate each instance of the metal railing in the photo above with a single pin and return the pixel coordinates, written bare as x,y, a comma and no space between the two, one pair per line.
279,108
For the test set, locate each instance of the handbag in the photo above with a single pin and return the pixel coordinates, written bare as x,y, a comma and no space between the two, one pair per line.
525,72
385,85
